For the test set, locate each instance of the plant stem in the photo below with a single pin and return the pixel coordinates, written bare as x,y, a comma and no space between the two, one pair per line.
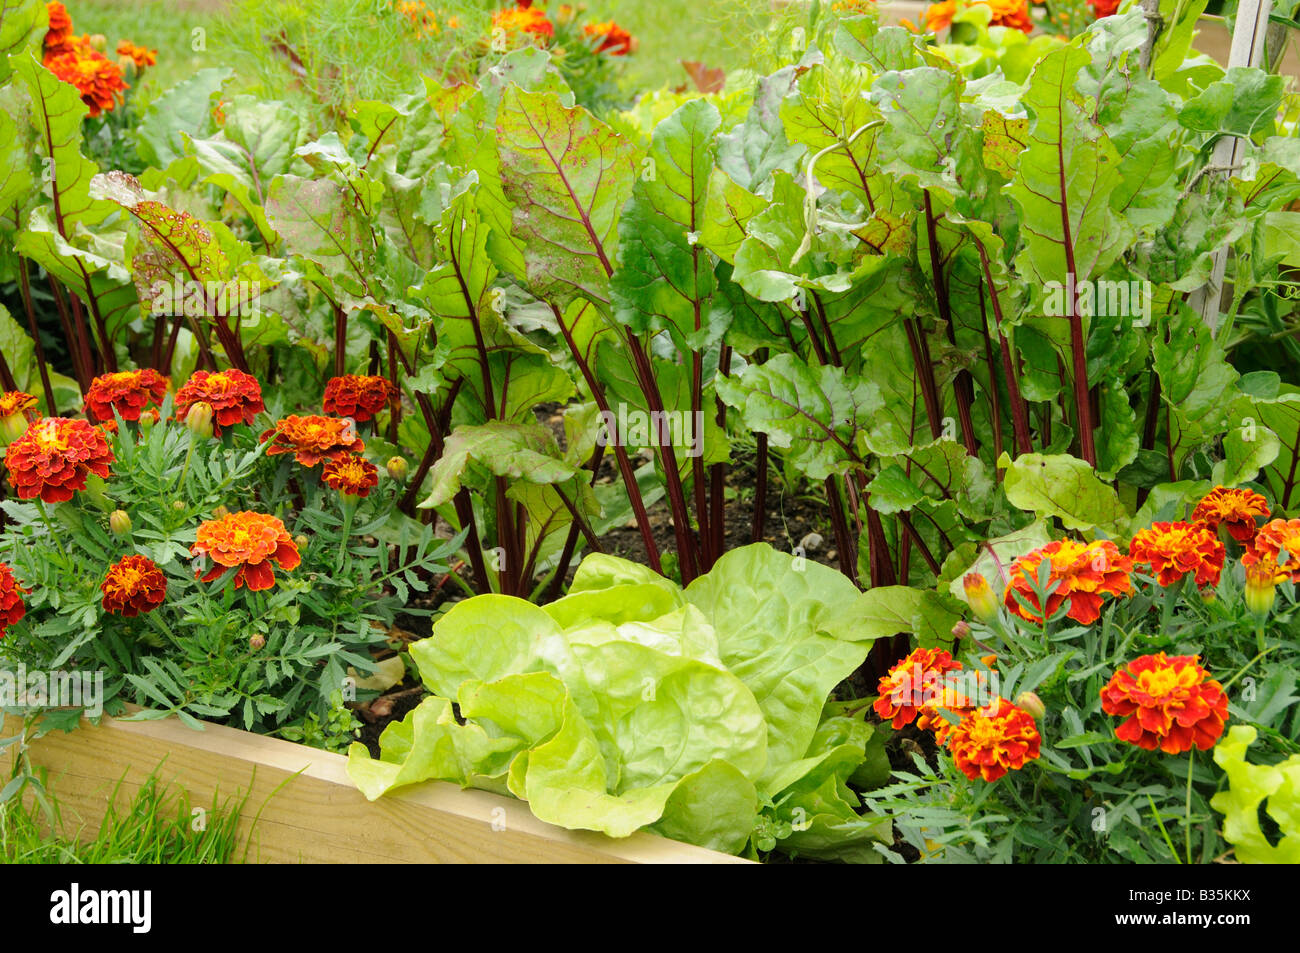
1191,757
45,518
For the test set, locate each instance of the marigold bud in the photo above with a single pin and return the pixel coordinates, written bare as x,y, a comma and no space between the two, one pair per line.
980,597
119,521
257,641
961,629
220,512
98,42
1262,578
1030,702
11,428
301,541
397,468
178,505
199,419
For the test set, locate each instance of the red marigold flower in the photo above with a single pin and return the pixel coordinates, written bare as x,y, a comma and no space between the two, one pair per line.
134,585
991,741
97,78
1104,8
60,29
313,438
235,396
350,475
1175,550
1235,509
1273,538
12,607
249,541
51,459
614,40
141,56
359,396
15,414
908,684
1080,573
127,392
518,20
1170,703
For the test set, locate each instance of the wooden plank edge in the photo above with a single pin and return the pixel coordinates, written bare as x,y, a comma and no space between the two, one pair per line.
236,755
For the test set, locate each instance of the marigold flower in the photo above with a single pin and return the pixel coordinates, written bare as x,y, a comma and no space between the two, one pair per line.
853,7
1080,573
1010,13
12,607
15,412
235,396
249,541
1234,509
614,40
140,56
419,17
980,597
313,438
97,78
133,585
1104,8
523,20
52,458
127,392
1175,550
1273,538
359,396
350,475
1170,703
1262,577
59,32
907,685
991,741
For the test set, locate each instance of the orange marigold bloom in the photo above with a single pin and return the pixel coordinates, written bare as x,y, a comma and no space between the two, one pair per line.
350,475
419,16
908,684
991,741
97,78
249,541
1273,538
938,16
1081,574
614,40
359,396
1103,8
14,402
127,392
134,585
12,607
141,56
59,33
235,396
1175,550
523,19
313,438
1171,703
1235,509
853,7
1012,13
51,459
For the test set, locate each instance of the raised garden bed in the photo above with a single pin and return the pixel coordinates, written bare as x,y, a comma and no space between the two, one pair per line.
318,815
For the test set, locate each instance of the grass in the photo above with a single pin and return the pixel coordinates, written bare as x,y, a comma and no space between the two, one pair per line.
155,828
